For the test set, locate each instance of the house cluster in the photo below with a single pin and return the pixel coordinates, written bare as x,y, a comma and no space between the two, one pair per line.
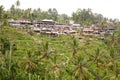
97,30
51,28
46,27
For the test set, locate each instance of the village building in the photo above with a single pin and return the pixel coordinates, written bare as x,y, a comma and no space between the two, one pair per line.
76,26
87,31
49,27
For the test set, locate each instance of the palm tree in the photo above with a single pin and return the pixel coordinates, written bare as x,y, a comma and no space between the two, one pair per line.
46,50
17,3
1,17
12,10
1,11
79,69
74,45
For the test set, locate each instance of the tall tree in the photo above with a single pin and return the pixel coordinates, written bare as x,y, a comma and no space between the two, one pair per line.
86,17
12,11
55,14
63,18
1,11
50,11
17,3
1,17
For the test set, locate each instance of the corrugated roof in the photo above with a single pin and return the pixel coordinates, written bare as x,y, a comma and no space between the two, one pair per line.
48,20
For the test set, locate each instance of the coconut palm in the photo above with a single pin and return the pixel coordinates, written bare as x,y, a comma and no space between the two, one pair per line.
1,17
79,69
17,3
74,46
1,11
46,50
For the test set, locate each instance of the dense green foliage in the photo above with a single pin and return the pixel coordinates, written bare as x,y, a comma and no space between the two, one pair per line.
25,57
87,17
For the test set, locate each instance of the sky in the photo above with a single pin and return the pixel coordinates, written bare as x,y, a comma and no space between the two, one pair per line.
108,8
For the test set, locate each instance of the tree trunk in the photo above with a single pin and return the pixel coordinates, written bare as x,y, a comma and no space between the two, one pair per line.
10,53
29,76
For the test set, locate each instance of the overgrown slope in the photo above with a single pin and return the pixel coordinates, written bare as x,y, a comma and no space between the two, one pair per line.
57,58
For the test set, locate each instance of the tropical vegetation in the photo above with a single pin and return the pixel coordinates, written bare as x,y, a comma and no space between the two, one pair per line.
36,57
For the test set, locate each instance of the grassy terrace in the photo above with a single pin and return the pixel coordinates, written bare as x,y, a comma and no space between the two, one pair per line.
65,57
